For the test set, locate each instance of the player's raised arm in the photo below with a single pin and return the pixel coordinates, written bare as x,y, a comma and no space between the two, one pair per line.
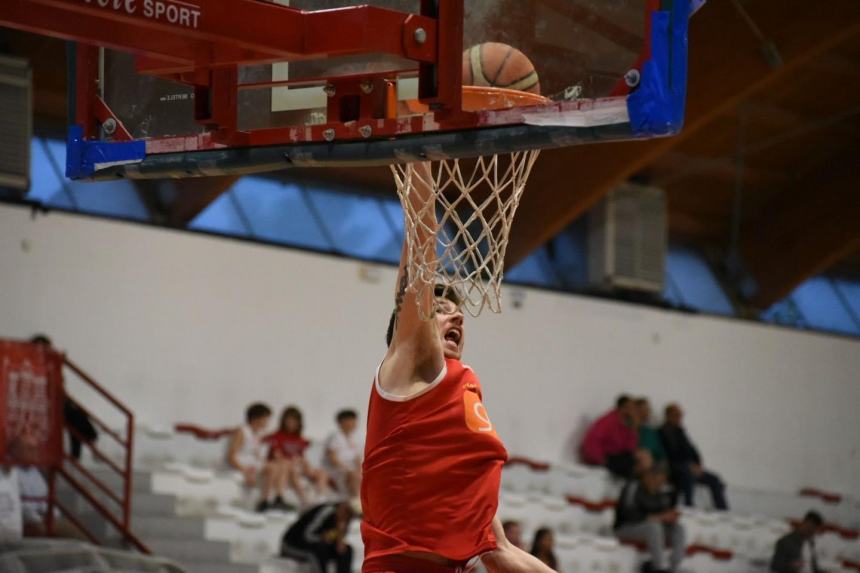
415,353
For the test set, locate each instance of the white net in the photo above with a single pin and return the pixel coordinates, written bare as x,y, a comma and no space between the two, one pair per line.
463,208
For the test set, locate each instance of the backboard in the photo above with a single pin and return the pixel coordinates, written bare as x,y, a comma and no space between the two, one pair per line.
365,88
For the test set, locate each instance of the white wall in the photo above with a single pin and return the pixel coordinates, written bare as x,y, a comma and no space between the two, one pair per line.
191,328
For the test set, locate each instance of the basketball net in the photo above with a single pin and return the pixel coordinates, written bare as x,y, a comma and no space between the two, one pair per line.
474,202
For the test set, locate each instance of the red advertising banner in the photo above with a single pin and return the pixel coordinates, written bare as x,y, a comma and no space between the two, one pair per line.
31,404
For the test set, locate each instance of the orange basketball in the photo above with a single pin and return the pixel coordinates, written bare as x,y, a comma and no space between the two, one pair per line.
501,66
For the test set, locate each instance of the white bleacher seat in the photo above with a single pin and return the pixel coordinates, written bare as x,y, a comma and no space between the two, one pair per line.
193,471
831,545
538,482
516,478
549,512
279,565
573,521
586,554
153,446
759,544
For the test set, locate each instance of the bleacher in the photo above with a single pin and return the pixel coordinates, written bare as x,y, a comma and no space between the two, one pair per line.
51,555
190,508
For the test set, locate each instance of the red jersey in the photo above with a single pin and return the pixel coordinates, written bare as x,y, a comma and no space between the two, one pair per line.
432,469
289,445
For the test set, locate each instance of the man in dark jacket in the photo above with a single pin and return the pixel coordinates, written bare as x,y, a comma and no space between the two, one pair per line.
318,538
645,513
795,551
686,463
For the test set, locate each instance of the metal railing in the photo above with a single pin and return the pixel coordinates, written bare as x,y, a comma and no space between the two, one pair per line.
114,506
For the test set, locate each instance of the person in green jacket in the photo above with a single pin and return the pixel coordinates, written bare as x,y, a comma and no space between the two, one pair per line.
649,439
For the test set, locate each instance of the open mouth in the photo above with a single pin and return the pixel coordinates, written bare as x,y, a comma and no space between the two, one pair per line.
454,335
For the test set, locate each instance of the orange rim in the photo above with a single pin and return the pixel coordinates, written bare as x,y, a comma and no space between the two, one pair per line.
487,98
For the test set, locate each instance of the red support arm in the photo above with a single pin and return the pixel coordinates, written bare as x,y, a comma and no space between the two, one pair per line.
181,36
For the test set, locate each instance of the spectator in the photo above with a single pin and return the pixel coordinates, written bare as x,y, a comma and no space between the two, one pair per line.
319,538
642,462
81,429
343,454
645,513
11,511
795,551
543,547
649,437
686,463
245,454
287,449
514,533
611,440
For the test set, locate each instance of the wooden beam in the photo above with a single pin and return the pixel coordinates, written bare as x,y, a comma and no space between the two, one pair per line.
680,166
598,24
176,202
194,195
726,68
804,232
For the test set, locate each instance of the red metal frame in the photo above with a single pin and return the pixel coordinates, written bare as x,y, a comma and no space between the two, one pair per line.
44,365
202,43
79,477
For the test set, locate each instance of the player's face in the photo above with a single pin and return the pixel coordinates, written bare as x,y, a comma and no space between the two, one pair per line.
449,319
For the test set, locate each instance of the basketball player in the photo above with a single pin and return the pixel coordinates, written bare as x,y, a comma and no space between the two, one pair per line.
433,460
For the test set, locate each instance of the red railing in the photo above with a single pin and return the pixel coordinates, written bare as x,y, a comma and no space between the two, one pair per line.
84,481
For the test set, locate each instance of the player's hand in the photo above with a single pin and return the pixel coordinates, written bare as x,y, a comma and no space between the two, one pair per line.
697,470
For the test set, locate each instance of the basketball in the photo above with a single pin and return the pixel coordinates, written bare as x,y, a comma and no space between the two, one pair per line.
499,65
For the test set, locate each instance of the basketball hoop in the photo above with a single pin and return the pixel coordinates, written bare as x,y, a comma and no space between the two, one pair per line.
475,201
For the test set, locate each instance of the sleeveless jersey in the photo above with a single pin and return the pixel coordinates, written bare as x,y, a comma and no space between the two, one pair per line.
251,453
432,469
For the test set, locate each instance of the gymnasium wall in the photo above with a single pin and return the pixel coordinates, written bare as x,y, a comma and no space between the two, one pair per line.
191,328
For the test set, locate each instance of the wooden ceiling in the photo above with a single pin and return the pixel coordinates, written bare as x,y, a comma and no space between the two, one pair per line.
763,174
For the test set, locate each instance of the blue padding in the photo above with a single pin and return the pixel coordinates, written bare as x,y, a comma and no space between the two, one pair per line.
657,106
84,157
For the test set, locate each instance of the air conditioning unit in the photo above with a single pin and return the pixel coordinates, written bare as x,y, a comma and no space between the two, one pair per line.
16,122
627,240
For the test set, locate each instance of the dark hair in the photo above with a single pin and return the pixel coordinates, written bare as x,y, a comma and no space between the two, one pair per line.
550,557
640,401
256,411
621,401
509,523
292,412
40,339
439,290
813,517
669,407
346,415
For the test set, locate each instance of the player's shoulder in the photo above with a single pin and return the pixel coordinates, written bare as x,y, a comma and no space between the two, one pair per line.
464,373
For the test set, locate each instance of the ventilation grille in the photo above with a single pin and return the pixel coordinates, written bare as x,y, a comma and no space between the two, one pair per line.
627,240
16,122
